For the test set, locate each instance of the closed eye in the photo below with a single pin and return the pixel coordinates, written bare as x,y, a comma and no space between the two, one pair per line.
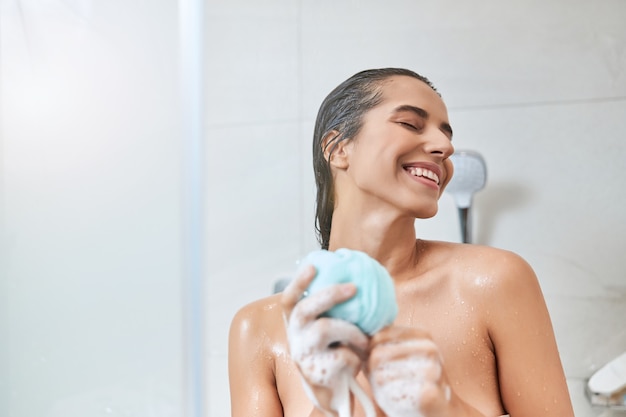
409,125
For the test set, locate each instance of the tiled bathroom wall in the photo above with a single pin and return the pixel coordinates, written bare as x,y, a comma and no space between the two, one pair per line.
539,88
90,174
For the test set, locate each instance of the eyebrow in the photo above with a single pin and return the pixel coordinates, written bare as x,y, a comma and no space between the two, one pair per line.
423,114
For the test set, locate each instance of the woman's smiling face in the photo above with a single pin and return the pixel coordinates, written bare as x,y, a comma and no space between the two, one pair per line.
400,155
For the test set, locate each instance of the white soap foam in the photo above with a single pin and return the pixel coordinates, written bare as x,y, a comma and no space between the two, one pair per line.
399,386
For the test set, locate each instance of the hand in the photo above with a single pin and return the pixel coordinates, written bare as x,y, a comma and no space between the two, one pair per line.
406,374
327,351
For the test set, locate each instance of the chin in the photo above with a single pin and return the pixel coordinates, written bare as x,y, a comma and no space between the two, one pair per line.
426,212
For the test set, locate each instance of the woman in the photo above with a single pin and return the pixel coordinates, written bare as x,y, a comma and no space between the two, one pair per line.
473,336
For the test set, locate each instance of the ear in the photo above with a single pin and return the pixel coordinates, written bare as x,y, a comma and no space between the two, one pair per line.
340,150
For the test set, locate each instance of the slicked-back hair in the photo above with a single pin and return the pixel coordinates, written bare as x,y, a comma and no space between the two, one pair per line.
342,111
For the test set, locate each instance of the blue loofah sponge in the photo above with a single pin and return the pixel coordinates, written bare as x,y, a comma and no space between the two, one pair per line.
374,305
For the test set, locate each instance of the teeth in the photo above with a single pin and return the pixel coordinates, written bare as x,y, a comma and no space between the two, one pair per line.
422,172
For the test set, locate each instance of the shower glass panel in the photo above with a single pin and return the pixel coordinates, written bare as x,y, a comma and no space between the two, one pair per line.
92,210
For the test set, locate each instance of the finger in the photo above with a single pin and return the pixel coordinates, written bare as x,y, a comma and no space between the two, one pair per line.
413,369
314,305
326,334
342,333
393,334
420,348
324,367
407,394
296,288
434,399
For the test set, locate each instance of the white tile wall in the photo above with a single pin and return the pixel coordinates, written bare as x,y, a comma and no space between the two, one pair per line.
90,188
540,90
252,62
250,242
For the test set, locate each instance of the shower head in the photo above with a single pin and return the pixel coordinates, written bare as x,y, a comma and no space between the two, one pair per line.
470,176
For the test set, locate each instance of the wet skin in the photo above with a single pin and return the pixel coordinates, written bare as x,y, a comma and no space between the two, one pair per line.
478,309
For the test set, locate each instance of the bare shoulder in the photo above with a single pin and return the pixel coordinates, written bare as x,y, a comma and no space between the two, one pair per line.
497,280
507,299
254,332
258,318
488,271
500,263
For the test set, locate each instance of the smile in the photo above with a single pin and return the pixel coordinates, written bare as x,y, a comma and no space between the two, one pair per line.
423,172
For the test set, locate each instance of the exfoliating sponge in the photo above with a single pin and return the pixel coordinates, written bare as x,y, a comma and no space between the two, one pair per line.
374,305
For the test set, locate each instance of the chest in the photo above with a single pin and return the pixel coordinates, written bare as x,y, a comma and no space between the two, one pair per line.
457,325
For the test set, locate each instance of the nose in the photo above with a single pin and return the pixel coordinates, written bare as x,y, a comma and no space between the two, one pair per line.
438,143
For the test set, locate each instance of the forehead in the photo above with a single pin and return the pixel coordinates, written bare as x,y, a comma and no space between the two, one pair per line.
402,90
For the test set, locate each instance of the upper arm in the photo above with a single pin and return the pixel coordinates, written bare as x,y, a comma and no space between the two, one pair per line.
250,367
531,377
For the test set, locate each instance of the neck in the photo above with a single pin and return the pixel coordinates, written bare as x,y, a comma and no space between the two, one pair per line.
388,239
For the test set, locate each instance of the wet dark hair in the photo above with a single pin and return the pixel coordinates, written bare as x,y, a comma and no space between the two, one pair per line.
342,111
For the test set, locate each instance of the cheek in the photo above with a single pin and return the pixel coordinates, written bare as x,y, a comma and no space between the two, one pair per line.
449,168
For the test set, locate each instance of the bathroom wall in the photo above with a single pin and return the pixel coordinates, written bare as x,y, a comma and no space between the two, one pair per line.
539,88
90,173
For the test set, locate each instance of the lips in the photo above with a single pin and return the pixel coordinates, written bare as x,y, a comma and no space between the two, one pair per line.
423,172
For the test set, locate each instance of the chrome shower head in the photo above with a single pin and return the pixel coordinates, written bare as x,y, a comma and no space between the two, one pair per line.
470,176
